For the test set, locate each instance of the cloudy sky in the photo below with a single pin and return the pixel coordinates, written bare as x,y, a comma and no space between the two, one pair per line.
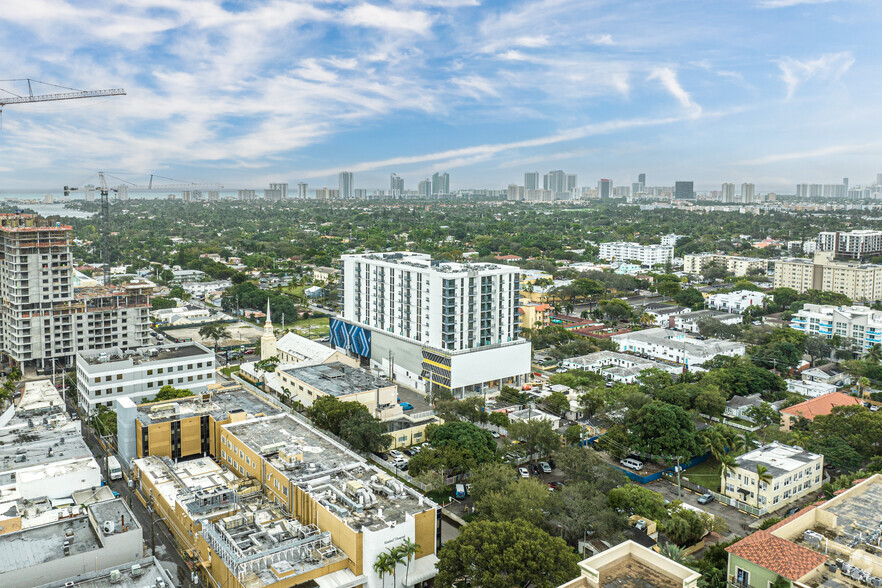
247,92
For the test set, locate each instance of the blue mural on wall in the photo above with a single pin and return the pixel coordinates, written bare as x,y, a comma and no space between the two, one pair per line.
350,337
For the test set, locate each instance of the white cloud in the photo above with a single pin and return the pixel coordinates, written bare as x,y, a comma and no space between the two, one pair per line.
380,17
822,152
668,79
827,67
601,39
789,3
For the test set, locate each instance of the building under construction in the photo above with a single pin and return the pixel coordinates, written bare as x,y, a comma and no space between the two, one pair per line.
44,316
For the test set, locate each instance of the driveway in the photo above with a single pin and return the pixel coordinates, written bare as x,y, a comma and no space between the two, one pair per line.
739,522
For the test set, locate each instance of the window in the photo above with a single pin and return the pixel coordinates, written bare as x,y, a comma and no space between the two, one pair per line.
742,577
119,389
149,372
160,370
189,366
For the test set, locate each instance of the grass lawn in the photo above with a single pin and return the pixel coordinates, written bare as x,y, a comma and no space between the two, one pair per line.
293,290
228,371
311,328
705,474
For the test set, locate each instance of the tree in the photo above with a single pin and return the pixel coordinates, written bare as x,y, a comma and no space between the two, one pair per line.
675,554
763,476
104,420
477,441
663,430
690,297
711,402
642,501
522,499
384,565
504,554
573,434
537,436
490,477
556,402
160,302
409,549
713,328
169,392
591,402
366,433
816,347
581,507
764,415
654,380
580,465
614,310
498,419
684,527
215,331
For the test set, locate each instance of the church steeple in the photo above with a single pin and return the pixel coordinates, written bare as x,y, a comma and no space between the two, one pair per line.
268,339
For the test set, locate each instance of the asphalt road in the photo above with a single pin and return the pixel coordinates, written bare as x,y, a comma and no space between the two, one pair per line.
739,522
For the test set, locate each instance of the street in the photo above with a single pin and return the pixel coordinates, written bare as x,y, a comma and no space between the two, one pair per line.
739,522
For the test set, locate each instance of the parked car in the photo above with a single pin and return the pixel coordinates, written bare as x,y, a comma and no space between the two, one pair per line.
411,451
631,463
396,454
705,498
792,511
534,469
546,469
524,472
406,405
494,434
460,491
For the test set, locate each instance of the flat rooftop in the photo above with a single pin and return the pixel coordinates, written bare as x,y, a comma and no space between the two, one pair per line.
182,481
147,354
424,261
338,379
41,444
39,545
38,395
325,466
149,573
671,338
778,458
217,403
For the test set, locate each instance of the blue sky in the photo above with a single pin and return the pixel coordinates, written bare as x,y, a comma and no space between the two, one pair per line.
773,92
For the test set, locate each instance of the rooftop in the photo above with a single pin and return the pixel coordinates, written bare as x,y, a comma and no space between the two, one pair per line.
337,379
39,395
305,350
217,402
780,459
778,555
630,565
692,345
146,354
424,261
821,405
147,575
37,441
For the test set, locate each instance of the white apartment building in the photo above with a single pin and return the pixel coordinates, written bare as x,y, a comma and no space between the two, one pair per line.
676,346
737,301
647,255
795,473
858,281
200,289
739,266
617,367
44,315
103,377
689,321
859,325
670,239
854,244
432,323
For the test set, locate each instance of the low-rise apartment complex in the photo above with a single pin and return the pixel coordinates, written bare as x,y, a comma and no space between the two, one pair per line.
105,376
646,255
676,346
617,367
739,266
855,244
859,326
738,301
858,281
793,473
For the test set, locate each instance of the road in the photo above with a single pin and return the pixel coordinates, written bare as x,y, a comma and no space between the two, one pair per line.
739,522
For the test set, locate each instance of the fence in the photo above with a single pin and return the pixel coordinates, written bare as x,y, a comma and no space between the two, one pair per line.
748,508
657,476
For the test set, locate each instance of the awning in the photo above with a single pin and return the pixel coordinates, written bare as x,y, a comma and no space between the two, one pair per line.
422,569
341,579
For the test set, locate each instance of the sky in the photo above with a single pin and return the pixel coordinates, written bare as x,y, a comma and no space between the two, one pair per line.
244,93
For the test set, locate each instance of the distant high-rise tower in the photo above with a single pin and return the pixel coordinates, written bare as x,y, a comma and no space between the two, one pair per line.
425,188
642,179
684,191
845,181
187,196
396,186
302,190
728,193
213,195
571,182
747,193
346,185
879,179
122,193
282,188
440,183
531,180
604,189
556,181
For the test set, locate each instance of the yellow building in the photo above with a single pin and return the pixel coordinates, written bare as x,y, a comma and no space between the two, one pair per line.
858,281
533,314
288,505
737,265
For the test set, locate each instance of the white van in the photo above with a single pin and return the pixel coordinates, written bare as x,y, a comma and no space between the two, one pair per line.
632,463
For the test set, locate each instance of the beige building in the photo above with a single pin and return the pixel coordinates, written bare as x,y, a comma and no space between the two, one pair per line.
631,564
738,265
344,382
858,281
795,473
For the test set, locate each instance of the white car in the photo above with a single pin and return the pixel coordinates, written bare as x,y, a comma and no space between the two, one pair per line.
524,472
397,454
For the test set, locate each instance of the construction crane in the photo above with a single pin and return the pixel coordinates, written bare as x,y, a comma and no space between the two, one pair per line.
73,94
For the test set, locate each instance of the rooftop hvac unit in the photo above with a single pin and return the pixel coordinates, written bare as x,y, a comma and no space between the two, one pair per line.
109,527
115,577
136,570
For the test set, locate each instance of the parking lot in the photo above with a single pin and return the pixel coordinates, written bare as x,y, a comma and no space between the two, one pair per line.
739,522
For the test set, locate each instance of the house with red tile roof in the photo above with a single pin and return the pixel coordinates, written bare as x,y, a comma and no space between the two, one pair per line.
822,405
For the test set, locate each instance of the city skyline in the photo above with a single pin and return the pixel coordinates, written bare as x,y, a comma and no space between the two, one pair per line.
603,91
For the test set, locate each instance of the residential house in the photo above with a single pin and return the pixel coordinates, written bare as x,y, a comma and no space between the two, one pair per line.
822,405
737,406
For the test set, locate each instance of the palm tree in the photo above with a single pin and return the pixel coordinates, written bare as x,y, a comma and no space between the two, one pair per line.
409,549
763,477
216,331
396,558
863,384
875,353
675,554
749,439
728,464
646,319
585,314
383,566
